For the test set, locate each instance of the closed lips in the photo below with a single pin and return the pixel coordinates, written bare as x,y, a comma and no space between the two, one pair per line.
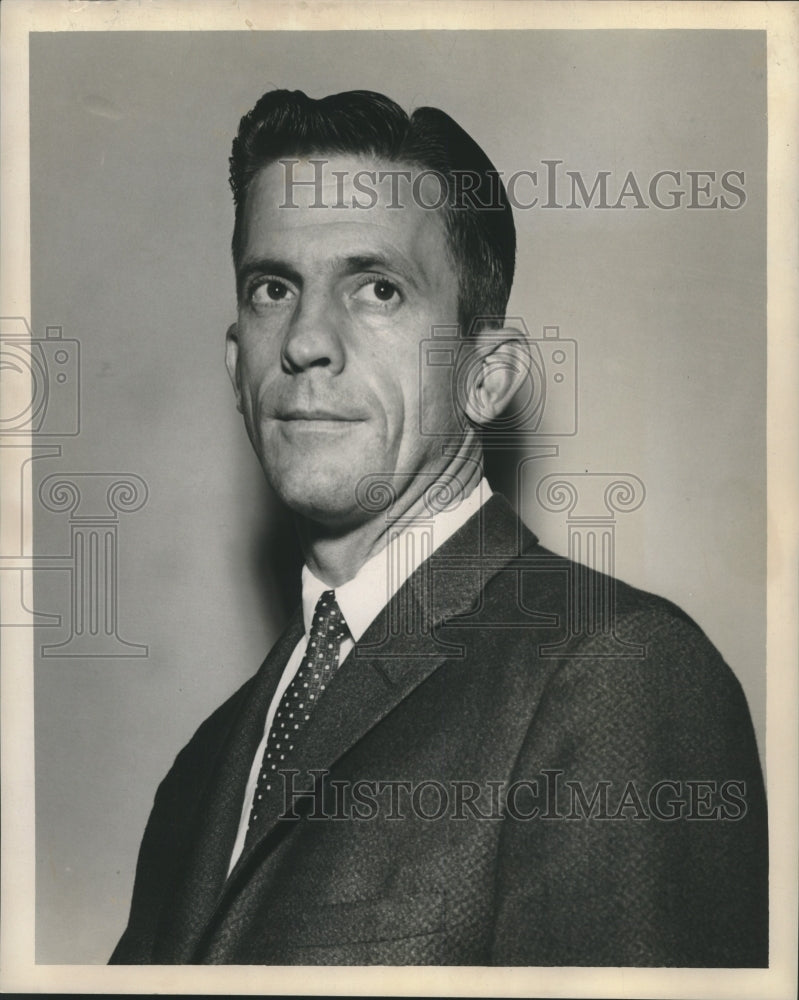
317,415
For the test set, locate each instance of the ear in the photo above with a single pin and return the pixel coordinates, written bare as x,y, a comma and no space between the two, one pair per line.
494,371
232,361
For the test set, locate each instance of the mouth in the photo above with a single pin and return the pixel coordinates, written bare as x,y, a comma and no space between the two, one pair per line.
318,414
318,419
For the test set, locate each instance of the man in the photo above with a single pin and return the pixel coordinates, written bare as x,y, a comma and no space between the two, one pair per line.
436,763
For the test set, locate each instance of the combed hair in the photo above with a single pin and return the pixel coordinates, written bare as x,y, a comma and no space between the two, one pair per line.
482,240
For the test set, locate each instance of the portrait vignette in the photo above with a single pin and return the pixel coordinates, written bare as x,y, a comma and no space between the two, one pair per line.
127,286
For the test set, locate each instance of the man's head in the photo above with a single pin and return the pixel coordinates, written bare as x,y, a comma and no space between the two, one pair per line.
481,235
337,298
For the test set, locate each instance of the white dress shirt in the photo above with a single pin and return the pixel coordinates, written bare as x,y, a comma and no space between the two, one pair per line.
361,599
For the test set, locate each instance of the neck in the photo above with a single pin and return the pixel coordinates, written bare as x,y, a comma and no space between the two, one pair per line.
335,555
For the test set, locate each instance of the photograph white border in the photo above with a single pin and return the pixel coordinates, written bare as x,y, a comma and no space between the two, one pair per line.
18,970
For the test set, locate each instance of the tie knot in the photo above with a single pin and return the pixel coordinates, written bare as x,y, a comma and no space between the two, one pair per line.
328,621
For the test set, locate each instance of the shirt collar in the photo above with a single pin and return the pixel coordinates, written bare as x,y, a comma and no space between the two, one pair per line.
369,591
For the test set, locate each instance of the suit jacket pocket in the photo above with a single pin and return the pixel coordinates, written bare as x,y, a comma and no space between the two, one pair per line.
390,918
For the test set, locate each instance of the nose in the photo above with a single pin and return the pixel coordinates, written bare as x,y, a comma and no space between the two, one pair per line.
314,336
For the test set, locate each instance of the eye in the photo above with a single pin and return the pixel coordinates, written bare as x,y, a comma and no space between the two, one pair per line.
378,291
270,291
384,290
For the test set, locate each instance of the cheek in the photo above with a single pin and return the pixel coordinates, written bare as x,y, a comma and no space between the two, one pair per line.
417,401
254,370
435,401
397,392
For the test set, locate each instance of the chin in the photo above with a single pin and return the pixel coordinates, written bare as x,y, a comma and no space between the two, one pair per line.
329,502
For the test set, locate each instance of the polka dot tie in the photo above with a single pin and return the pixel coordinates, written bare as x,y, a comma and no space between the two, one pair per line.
318,665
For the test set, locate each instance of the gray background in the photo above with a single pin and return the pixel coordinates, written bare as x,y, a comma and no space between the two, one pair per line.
130,223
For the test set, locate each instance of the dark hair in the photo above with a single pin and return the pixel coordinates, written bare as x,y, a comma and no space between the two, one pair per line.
479,222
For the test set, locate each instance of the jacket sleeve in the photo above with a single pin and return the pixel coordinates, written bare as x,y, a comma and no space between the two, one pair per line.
158,862
649,847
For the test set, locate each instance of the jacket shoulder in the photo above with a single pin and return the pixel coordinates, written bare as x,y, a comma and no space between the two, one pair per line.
602,600
195,760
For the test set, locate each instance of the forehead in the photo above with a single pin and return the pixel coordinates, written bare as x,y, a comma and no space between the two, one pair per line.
320,206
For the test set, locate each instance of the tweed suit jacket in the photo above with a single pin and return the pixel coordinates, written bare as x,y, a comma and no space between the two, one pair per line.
601,790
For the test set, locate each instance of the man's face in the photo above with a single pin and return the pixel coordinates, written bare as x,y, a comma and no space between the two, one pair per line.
333,306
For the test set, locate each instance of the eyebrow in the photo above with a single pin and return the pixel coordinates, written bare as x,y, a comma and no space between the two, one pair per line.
348,264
